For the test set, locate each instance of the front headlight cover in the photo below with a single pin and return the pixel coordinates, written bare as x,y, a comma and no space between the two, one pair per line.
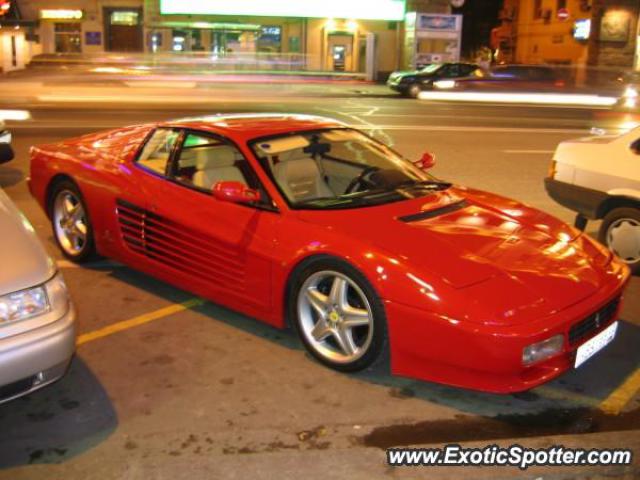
543,350
51,297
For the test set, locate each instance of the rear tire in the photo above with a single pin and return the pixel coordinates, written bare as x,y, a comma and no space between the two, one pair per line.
338,316
70,222
620,232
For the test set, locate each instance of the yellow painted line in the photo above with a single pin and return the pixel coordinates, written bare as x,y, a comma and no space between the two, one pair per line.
140,320
558,394
619,398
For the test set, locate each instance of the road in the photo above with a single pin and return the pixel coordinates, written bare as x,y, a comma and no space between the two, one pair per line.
196,391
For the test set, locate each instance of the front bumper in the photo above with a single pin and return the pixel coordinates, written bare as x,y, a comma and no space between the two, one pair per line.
579,199
489,357
33,359
398,87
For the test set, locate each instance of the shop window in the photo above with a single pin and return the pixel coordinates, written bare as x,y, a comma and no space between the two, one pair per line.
537,9
128,18
270,39
68,37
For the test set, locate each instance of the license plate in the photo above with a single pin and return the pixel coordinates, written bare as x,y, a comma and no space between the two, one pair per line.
597,343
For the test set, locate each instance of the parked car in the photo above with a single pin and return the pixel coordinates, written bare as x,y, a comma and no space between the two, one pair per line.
37,319
302,221
599,178
411,83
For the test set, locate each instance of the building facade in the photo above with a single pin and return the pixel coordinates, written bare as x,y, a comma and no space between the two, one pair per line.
599,33
322,35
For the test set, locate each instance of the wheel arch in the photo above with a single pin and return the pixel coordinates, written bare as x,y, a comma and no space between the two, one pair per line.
617,201
304,262
53,182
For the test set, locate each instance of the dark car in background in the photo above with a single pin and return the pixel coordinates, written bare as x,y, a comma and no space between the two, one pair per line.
411,83
538,78
515,78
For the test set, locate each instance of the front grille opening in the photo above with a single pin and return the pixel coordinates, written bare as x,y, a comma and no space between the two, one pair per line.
16,388
594,323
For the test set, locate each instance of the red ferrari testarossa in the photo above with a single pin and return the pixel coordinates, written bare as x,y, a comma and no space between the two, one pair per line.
302,221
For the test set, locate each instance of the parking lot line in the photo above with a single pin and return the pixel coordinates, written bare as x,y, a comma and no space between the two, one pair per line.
139,320
619,398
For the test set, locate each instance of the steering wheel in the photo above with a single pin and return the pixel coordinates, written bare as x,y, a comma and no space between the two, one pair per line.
361,180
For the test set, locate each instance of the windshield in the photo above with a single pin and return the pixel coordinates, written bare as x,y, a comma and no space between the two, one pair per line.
431,68
340,168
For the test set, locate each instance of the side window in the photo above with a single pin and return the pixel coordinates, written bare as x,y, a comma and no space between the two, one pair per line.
156,152
204,161
452,71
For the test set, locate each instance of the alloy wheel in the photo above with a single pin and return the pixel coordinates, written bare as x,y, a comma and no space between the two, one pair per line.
70,222
335,317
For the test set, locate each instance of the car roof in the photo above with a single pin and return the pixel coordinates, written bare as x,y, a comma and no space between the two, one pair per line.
249,126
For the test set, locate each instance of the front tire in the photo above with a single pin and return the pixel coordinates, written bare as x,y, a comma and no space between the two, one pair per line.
414,91
620,232
338,315
70,222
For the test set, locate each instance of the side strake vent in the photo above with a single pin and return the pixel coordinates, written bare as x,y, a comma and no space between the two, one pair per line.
178,247
436,212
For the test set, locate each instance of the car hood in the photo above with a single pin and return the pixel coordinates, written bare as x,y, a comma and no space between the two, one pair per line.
24,261
467,237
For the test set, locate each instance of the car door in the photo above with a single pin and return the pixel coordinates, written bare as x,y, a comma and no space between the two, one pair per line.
218,249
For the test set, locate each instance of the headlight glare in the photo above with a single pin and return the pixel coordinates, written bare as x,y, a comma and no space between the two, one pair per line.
23,304
51,299
543,350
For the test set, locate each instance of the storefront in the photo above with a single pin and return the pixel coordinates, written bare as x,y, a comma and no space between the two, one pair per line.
81,26
17,45
333,35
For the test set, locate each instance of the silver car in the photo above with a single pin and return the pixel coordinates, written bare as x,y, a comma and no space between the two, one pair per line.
37,319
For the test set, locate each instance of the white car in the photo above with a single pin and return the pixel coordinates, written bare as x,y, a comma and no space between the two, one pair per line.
599,178
37,318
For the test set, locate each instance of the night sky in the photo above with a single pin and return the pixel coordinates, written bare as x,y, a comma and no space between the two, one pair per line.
480,16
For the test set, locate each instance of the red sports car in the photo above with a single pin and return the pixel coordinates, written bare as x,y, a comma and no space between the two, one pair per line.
302,221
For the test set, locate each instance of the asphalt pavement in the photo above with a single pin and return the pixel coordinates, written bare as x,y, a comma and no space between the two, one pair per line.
193,390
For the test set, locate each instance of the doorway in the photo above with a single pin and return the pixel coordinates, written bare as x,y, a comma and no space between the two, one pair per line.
340,53
123,27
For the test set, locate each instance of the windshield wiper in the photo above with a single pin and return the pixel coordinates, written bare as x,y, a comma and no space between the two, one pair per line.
430,184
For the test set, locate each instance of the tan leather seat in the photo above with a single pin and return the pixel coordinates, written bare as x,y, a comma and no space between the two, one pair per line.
215,165
301,179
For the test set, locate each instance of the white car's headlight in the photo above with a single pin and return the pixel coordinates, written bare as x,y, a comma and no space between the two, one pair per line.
33,302
5,136
631,92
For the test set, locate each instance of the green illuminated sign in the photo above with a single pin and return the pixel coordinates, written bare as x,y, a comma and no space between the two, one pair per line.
348,9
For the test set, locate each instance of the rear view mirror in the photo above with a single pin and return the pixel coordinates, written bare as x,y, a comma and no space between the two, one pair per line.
427,161
635,147
235,192
6,152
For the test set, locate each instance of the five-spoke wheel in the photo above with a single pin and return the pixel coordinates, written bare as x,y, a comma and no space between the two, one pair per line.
338,315
70,222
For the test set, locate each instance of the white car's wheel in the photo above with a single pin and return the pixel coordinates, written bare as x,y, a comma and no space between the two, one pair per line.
620,231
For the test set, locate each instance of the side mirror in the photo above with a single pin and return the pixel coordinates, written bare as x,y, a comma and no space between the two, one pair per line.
6,152
635,147
235,192
427,161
